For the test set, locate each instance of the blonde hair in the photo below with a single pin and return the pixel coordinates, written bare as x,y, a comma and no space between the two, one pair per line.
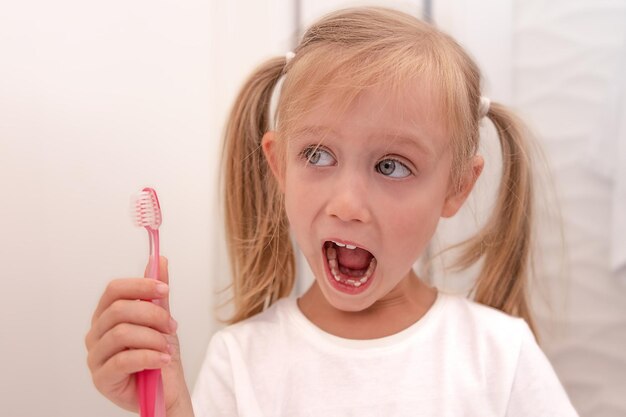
346,52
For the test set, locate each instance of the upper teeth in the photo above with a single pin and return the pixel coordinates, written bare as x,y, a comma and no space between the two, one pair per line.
344,245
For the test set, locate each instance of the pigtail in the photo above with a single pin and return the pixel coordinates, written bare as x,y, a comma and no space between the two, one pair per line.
257,233
505,241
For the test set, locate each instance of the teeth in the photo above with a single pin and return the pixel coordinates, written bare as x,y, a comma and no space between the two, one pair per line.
370,268
344,245
331,254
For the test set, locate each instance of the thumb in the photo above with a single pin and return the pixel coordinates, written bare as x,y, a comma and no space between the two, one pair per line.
163,276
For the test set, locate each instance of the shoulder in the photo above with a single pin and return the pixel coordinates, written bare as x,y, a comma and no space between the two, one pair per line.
485,331
260,332
233,354
482,319
498,347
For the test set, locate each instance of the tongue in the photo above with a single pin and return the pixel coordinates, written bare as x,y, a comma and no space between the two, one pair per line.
353,258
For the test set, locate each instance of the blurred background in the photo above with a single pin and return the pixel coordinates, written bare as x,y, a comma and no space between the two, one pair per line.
98,100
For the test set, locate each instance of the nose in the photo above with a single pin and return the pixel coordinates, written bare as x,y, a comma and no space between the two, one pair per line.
350,198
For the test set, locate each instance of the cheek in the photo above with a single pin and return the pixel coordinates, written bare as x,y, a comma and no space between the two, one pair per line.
413,237
292,189
299,207
304,190
292,208
412,226
296,192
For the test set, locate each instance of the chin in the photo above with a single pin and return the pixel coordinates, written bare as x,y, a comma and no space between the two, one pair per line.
346,303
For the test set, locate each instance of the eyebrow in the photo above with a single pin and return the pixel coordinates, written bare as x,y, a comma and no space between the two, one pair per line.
394,137
409,140
315,130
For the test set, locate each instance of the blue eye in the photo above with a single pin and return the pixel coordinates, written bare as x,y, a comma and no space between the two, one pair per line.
393,168
317,156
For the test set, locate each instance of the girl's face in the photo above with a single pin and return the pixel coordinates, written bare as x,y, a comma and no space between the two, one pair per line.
375,178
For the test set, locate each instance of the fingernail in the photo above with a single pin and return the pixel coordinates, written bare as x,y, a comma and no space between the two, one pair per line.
162,288
173,324
165,358
170,349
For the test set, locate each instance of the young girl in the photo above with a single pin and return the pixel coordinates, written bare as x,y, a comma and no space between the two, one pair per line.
374,139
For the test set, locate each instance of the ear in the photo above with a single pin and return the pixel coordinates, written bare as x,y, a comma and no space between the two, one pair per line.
270,150
456,198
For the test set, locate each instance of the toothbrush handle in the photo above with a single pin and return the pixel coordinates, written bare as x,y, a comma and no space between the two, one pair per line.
150,387
154,254
149,381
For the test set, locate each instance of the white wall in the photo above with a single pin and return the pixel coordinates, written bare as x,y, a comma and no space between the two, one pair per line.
98,100
567,56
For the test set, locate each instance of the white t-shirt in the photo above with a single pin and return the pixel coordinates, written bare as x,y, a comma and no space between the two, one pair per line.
460,359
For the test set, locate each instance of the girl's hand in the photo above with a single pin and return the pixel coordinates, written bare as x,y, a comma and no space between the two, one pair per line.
128,335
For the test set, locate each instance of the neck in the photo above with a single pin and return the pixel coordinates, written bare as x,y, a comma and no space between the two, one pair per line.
383,318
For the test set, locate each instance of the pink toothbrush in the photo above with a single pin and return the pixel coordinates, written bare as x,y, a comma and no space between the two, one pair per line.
147,213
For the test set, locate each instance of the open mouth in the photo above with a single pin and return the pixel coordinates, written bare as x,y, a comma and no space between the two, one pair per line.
349,266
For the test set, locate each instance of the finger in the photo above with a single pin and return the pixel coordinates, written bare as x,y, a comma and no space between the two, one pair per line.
126,336
129,289
125,363
137,312
163,277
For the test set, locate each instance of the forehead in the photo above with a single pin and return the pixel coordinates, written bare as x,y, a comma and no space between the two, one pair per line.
409,115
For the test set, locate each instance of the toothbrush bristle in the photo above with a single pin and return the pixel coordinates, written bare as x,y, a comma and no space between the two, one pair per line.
145,210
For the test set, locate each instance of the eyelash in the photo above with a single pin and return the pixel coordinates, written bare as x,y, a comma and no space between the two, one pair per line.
395,161
309,151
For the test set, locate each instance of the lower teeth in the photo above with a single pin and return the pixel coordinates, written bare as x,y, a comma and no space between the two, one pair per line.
331,255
